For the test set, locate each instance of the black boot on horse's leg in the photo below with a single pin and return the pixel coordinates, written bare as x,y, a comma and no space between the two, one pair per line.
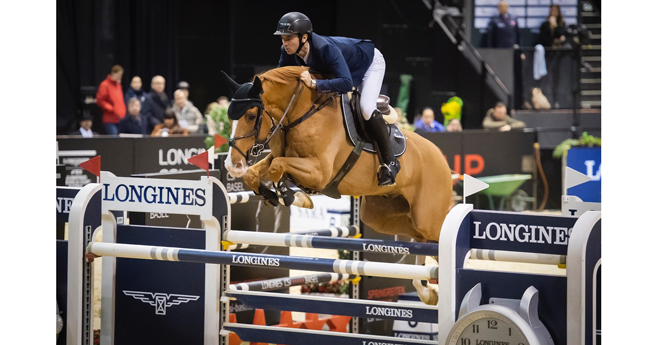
389,164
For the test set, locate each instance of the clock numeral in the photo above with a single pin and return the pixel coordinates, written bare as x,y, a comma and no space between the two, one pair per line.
465,341
492,324
509,331
475,328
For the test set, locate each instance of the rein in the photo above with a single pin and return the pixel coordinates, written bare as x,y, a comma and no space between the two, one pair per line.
259,145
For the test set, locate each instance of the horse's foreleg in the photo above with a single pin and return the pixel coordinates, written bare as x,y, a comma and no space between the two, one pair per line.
304,171
254,174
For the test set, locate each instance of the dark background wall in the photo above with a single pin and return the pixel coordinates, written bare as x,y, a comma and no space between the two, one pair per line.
195,40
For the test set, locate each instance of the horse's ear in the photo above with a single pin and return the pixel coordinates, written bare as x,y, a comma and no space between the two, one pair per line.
256,88
233,86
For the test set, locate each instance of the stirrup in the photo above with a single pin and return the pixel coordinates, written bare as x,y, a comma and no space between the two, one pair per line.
387,178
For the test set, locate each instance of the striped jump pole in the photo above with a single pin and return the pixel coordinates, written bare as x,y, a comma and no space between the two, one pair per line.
285,282
375,269
245,197
406,311
307,241
340,231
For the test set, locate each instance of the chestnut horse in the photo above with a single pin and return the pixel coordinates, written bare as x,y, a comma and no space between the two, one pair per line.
313,152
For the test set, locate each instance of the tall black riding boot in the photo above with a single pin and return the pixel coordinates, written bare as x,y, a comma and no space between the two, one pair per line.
389,165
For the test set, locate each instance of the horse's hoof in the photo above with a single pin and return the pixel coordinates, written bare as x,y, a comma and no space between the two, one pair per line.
303,200
429,296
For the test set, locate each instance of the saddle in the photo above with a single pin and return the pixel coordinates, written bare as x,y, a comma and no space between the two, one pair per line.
354,124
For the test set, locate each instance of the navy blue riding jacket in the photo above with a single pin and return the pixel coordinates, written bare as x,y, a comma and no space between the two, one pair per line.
503,32
343,59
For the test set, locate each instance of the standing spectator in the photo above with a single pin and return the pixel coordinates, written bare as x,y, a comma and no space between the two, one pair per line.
110,98
497,120
553,30
134,123
188,116
169,127
85,127
503,29
156,103
135,91
427,122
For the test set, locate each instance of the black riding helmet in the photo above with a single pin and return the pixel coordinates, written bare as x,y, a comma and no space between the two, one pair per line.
294,23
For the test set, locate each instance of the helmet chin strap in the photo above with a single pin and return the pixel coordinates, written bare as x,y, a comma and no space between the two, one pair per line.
300,43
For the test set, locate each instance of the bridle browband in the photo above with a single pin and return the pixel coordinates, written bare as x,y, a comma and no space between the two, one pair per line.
259,145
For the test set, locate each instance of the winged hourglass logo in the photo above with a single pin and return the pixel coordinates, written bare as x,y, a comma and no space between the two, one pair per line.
160,300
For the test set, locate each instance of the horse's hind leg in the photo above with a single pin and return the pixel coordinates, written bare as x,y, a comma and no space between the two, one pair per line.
392,216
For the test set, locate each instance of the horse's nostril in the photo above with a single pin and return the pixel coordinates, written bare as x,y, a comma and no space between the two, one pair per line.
238,165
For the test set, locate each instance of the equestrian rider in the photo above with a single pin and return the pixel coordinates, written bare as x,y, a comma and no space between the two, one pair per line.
351,62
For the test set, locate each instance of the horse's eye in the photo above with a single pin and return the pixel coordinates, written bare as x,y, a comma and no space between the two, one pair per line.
251,117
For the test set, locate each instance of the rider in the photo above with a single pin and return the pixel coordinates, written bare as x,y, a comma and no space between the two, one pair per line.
351,62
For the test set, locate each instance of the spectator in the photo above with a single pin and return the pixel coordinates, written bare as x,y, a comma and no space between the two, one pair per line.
169,127
210,107
454,126
134,123
155,104
85,127
185,87
553,30
110,99
497,120
135,91
223,101
187,115
503,29
427,122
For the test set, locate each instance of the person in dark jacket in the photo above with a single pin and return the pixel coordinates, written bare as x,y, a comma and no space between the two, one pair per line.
348,62
553,30
503,31
156,103
135,91
134,122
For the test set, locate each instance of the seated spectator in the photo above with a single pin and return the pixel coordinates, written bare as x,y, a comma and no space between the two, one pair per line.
169,127
427,122
210,107
85,129
134,122
155,104
135,91
187,115
497,119
185,87
454,126
223,101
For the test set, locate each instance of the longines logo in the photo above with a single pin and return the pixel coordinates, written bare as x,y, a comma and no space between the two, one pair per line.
160,300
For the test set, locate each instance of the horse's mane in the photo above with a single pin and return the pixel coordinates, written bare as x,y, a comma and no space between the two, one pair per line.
283,75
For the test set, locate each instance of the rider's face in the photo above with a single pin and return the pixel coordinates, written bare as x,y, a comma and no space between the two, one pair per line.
291,43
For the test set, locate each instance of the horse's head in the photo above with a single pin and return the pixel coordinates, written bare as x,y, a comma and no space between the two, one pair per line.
248,125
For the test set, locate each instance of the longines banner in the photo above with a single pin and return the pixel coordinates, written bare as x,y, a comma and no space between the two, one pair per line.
128,156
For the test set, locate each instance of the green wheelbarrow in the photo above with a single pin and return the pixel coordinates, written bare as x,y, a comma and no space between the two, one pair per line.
506,187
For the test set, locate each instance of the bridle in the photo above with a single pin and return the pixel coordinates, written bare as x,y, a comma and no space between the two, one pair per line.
259,145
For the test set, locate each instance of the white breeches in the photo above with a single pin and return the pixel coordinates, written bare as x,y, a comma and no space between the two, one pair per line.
371,84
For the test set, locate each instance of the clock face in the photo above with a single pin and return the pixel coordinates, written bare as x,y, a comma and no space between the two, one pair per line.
486,327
